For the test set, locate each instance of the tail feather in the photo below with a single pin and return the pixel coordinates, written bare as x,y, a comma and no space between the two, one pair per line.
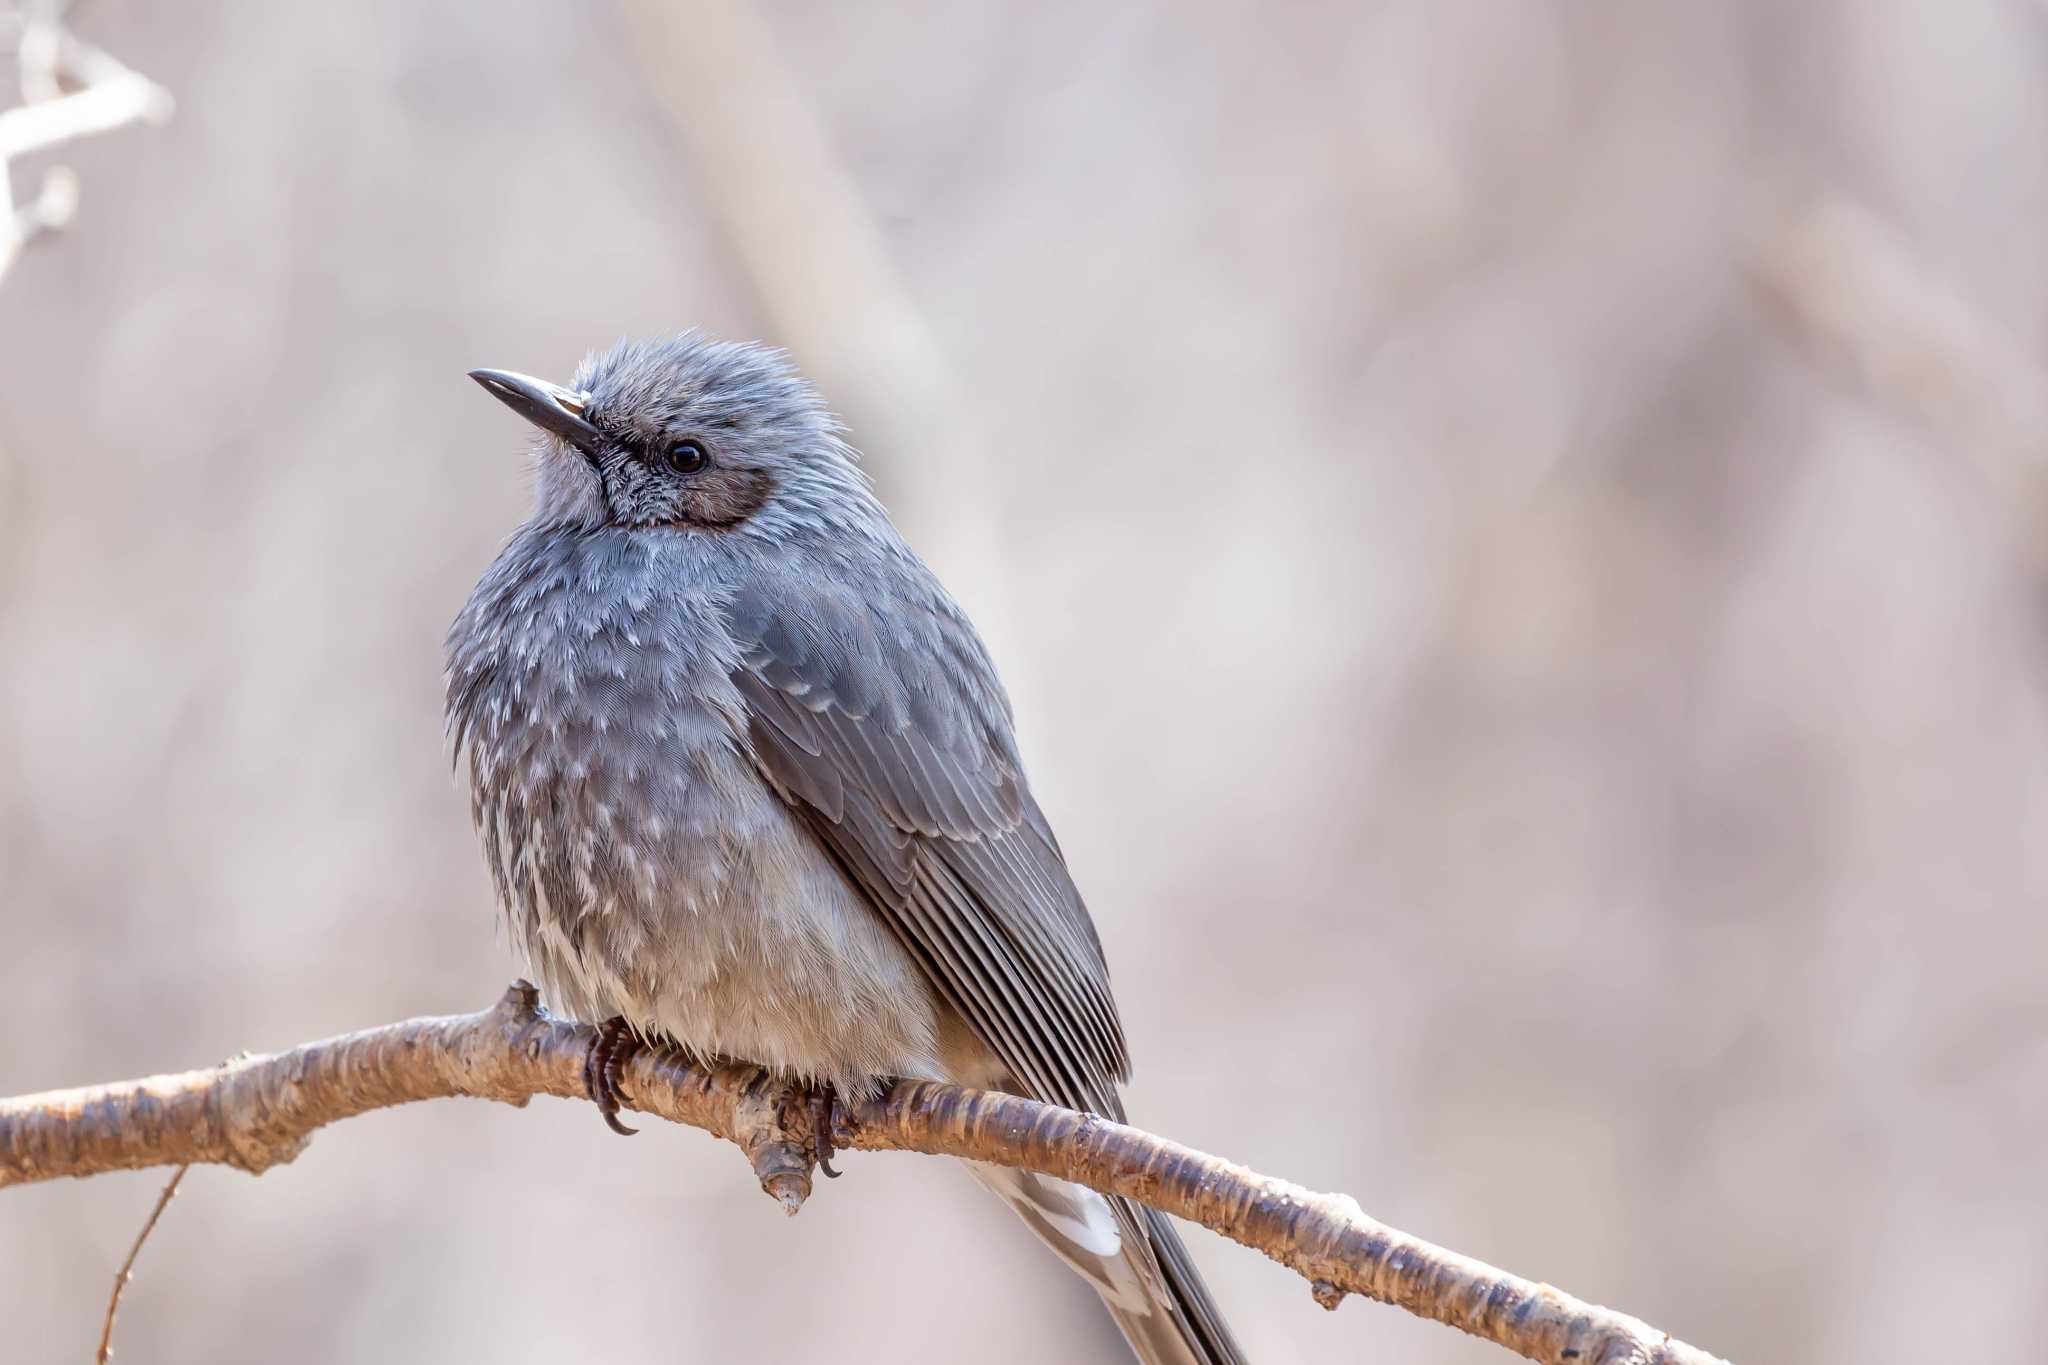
1195,1312
1133,1258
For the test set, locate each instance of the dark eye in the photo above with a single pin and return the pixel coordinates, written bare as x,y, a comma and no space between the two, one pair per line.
686,457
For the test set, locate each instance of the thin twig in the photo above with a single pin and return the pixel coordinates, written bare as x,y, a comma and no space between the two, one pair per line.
255,1112
127,1271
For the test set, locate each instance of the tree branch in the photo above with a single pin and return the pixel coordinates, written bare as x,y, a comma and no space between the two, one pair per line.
70,90
256,1112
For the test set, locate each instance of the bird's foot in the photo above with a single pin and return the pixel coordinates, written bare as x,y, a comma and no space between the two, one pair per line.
785,1128
818,1099
602,1066
823,1100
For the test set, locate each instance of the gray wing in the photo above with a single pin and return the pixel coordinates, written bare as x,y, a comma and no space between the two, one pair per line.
878,715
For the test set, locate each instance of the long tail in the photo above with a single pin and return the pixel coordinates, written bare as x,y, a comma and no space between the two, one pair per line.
1134,1259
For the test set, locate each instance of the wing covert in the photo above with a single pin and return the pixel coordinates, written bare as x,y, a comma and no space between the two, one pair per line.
882,723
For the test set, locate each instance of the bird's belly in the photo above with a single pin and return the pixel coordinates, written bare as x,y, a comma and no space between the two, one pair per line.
738,937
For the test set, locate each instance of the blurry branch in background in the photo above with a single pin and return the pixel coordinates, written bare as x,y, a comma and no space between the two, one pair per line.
256,1112
1850,292
68,90
817,261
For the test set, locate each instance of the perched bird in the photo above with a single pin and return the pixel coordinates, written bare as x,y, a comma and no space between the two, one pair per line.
746,779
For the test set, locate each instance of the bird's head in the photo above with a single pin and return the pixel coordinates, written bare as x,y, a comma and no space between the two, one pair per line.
690,433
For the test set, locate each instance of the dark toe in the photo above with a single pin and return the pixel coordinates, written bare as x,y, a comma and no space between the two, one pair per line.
823,1098
602,1065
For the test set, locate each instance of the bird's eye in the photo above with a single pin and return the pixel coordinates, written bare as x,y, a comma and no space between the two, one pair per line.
686,457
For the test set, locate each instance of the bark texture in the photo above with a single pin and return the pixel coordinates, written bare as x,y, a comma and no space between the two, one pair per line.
254,1112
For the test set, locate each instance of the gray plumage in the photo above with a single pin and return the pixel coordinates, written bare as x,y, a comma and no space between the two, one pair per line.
745,776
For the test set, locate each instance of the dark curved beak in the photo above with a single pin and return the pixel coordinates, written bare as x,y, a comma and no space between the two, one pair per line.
548,406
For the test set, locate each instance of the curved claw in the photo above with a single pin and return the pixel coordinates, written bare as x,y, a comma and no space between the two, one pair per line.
602,1066
822,1100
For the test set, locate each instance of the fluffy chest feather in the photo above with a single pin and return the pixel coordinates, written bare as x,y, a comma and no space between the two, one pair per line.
590,698
641,860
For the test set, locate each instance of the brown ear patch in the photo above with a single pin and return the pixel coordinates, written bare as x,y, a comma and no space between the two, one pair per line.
724,496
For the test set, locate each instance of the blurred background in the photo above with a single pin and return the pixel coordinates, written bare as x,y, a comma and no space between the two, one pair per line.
1514,531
